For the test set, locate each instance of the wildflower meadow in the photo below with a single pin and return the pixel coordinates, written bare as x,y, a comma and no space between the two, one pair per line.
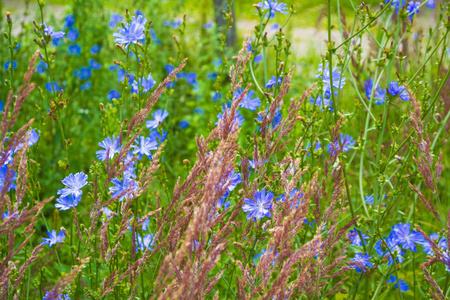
220,149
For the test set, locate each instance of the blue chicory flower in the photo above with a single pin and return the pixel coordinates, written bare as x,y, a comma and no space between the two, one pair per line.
48,30
4,174
111,146
395,89
322,103
363,262
113,94
355,238
41,67
131,33
74,49
413,9
380,94
94,64
147,242
217,96
115,18
73,184
347,143
337,80
238,118
145,83
53,238
172,24
125,188
72,35
95,49
406,238
184,124
159,116
69,21
248,102
143,147
273,82
67,202
403,285
273,6
258,207
55,87
8,63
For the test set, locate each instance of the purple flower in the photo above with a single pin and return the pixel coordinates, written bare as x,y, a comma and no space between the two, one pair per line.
67,202
48,30
273,82
159,116
53,238
273,6
259,207
413,8
403,285
355,239
113,94
74,184
143,147
431,4
363,262
248,102
208,25
406,238
111,145
131,33
346,142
